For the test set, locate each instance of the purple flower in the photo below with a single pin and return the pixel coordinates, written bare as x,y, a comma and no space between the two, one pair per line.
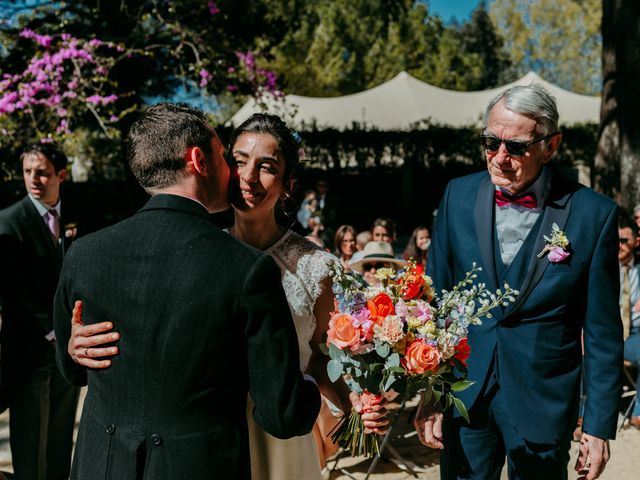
205,77
557,255
213,8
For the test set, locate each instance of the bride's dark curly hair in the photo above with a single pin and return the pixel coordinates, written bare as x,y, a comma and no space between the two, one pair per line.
288,144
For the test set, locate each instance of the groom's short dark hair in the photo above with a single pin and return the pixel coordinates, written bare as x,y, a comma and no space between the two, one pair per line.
159,139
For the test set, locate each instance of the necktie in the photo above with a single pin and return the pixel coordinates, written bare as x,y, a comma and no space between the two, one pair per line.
625,310
53,224
526,201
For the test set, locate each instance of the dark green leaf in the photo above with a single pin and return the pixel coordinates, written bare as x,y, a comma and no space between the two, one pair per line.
461,385
461,408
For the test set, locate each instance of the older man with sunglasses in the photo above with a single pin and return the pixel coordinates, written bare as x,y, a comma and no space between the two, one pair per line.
554,241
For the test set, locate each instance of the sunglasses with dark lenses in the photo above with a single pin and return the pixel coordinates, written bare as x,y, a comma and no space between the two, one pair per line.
516,148
370,266
623,241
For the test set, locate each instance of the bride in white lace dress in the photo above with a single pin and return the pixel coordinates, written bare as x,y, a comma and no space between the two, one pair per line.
263,153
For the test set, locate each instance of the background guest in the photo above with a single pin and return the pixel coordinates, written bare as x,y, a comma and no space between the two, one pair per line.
418,247
308,208
32,244
345,244
376,255
384,230
630,299
328,208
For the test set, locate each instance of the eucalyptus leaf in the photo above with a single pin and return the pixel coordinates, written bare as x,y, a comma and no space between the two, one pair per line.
334,352
334,369
393,360
323,348
383,349
391,379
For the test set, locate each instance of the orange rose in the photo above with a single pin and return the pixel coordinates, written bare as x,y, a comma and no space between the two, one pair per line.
379,307
342,333
421,357
463,350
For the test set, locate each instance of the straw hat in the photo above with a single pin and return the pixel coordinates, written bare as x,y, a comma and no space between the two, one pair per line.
376,252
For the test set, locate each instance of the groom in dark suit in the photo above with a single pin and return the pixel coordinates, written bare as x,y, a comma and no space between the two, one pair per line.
526,361
42,405
203,320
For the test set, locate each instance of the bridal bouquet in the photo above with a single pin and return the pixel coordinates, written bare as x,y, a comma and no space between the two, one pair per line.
398,335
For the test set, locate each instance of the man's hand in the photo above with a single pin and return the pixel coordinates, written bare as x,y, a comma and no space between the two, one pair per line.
428,422
593,457
87,341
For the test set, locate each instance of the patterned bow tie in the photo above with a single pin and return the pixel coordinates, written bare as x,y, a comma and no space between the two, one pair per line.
526,201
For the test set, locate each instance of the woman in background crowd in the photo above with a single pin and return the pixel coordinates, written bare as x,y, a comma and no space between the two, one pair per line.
418,247
345,243
383,230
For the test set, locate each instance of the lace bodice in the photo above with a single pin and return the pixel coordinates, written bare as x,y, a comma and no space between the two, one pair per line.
304,266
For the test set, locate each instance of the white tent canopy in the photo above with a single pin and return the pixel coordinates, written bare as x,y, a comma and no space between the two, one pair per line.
404,100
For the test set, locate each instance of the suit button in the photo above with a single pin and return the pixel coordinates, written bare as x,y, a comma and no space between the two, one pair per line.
111,428
156,439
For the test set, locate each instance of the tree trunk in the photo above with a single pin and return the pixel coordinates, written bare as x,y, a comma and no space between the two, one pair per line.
617,162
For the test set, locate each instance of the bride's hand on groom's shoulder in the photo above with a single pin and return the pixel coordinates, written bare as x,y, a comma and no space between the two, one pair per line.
374,416
88,343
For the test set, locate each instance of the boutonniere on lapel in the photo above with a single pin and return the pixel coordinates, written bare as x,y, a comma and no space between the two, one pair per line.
557,247
70,231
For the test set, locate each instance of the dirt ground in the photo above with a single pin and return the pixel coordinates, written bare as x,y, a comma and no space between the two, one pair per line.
405,458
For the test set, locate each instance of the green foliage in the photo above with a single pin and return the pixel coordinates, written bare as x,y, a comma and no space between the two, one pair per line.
337,48
204,46
559,40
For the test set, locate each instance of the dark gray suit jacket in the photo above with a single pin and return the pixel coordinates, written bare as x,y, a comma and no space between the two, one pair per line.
30,263
203,320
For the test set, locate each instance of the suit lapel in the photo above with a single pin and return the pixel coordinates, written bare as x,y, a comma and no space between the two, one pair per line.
484,213
36,227
556,211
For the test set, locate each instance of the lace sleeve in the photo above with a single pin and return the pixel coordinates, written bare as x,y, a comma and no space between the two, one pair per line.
314,269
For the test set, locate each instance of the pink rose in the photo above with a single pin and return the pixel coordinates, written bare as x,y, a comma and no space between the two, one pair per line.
557,255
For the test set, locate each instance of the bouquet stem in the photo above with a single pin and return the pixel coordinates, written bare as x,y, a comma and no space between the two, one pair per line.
349,434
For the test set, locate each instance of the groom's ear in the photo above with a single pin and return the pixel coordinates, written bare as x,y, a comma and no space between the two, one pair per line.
195,159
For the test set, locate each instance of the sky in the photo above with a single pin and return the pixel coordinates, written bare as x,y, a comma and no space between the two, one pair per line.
461,9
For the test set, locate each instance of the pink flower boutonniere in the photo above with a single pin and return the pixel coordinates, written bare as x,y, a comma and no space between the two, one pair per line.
70,230
557,245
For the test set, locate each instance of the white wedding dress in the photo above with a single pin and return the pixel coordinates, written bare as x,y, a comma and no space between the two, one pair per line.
304,266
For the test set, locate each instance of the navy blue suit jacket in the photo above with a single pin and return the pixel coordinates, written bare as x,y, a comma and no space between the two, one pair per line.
537,339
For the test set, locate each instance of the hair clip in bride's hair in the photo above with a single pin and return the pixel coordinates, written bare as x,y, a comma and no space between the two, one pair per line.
296,136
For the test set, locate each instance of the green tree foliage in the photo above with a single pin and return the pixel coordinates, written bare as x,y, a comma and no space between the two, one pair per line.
618,155
131,49
337,48
560,40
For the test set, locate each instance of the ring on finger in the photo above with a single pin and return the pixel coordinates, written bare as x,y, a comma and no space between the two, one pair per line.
86,352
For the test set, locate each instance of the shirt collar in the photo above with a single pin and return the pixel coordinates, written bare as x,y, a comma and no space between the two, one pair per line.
540,188
42,208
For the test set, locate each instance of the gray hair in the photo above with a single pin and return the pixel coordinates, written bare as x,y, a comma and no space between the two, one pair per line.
531,101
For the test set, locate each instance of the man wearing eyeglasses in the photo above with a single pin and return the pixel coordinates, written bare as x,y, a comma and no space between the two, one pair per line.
526,360
630,300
